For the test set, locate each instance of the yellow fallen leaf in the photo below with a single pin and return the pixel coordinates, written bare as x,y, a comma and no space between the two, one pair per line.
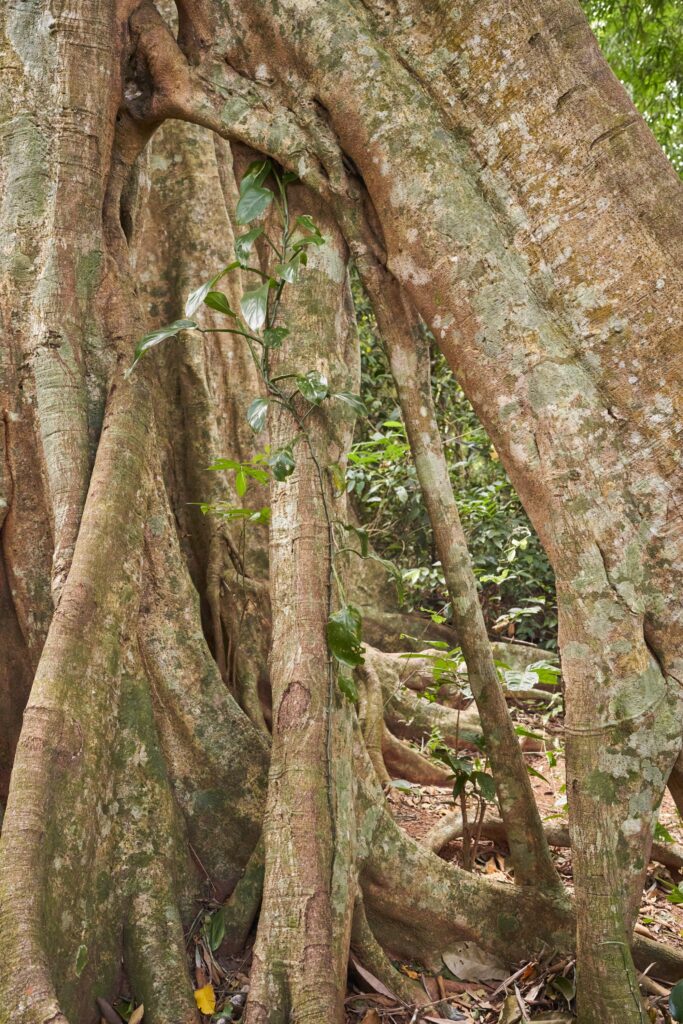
137,1014
205,998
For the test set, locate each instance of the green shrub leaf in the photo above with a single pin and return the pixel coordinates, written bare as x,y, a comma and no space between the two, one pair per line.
344,635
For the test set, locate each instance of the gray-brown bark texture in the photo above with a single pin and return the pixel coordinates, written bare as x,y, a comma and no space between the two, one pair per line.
484,158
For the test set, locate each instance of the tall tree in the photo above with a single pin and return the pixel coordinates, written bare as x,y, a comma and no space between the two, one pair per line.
482,160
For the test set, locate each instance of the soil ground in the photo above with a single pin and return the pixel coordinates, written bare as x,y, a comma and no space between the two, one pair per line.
539,991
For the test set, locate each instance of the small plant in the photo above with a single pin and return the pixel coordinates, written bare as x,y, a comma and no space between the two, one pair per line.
471,782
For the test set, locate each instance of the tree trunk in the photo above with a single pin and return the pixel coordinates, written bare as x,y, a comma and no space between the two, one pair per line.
510,198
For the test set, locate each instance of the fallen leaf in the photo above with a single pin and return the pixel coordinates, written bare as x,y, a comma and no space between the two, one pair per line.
469,963
137,1014
205,998
372,981
510,1012
371,1017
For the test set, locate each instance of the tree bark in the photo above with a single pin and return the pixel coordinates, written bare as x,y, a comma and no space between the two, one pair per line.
490,161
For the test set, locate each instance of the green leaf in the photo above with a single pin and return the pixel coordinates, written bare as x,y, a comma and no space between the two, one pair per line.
219,302
344,628
355,401
308,224
459,786
306,221
521,730
217,929
536,774
196,298
676,894
662,834
245,243
254,306
402,785
229,512
241,482
256,414
676,1001
155,337
348,687
290,271
565,986
282,464
255,174
81,959
485,785
362,536
253,203
274,336
313,386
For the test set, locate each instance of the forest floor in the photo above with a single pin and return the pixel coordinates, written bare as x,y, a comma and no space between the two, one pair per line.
538,991
472,987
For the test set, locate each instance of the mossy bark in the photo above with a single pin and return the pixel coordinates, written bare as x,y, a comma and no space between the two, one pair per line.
458,170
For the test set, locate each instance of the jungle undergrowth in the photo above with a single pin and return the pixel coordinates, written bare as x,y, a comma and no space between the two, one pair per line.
516,581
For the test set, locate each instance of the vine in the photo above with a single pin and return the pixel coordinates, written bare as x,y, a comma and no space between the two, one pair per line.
257,322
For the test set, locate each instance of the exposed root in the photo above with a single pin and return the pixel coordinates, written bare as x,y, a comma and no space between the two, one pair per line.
155,953
372,956
242,906
450,827
412,718
371,717
404,762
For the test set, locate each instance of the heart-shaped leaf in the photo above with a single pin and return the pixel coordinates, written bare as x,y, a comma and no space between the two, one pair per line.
252,204
282,464
219,302
485,785
256,414
565,986
155,337
254,306
196,298
245,243
348,687
290,271
355,401
344,635
313,386
255,174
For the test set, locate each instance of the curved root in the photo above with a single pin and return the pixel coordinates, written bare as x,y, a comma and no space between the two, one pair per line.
372,956
450,827
406,763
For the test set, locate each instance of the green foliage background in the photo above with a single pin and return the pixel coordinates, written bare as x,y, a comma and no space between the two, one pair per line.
644,44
